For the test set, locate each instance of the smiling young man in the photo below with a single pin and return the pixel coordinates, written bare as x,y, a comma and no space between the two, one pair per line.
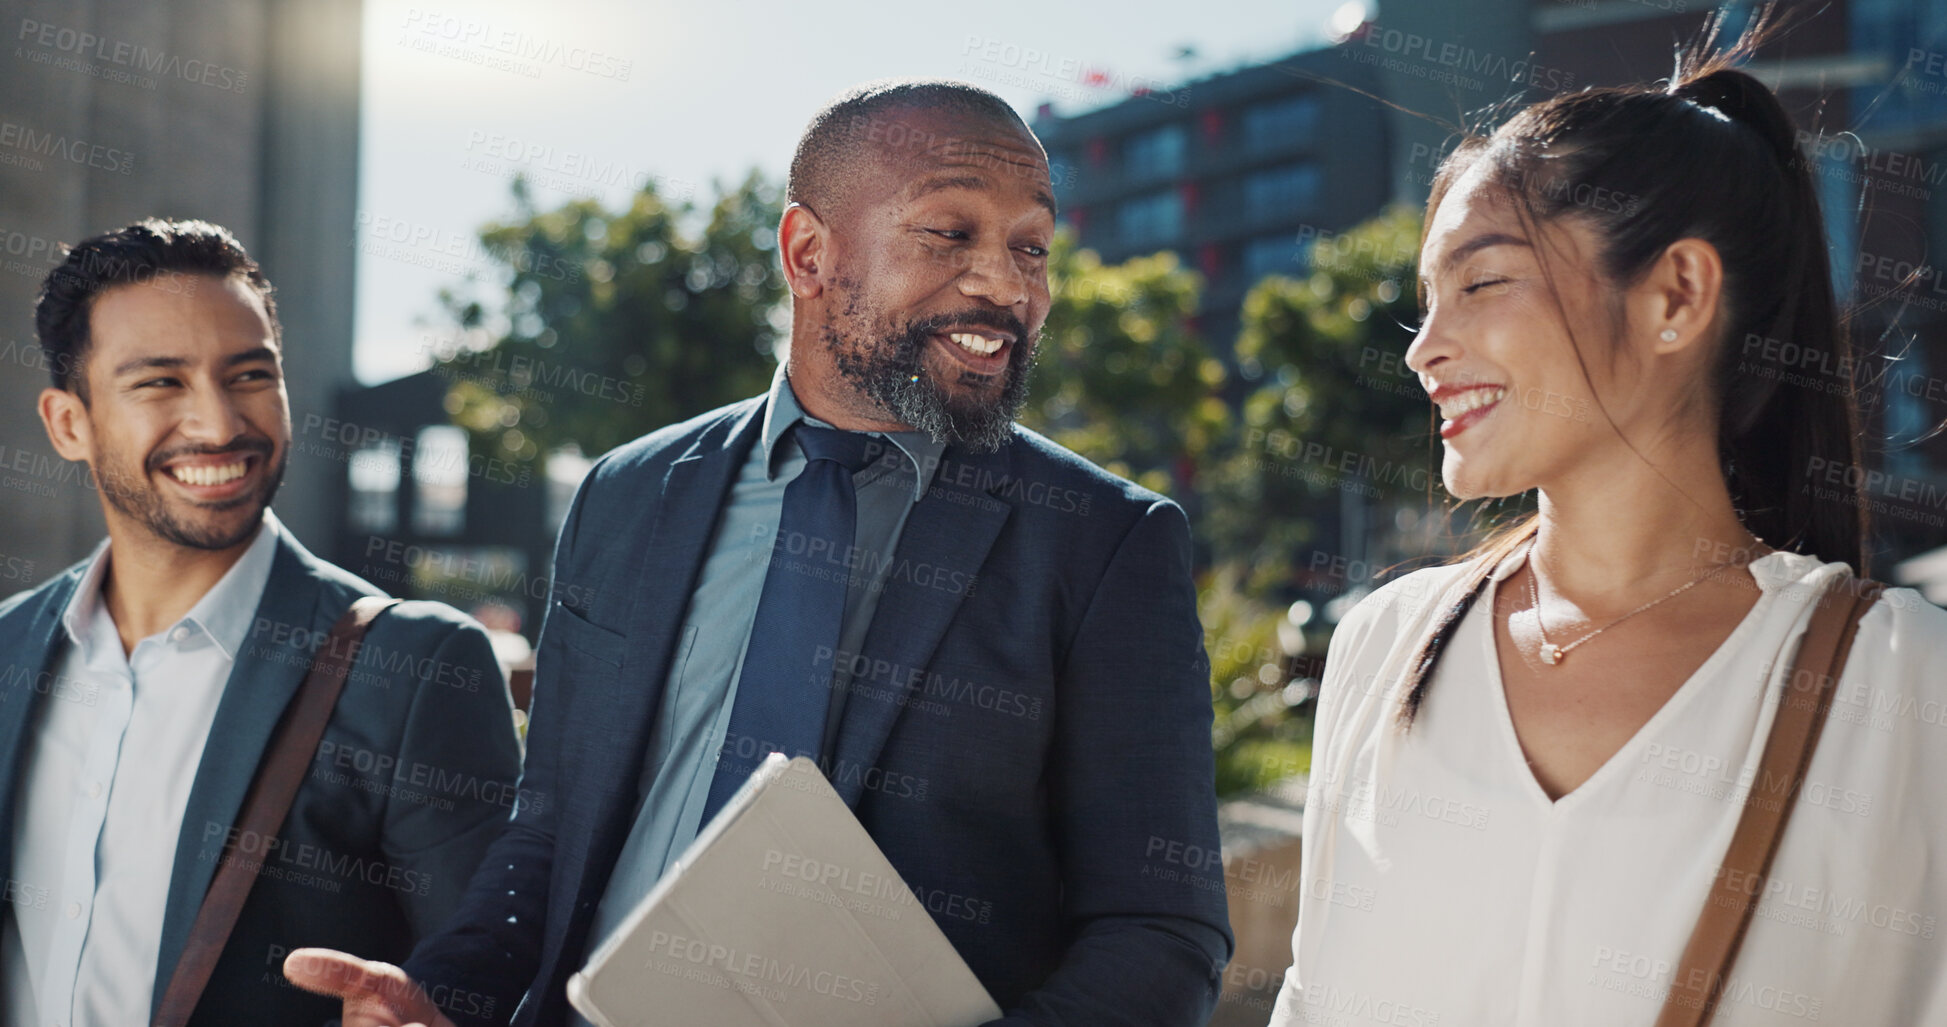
140,688
990,645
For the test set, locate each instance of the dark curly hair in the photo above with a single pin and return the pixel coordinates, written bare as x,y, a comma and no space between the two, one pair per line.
136,253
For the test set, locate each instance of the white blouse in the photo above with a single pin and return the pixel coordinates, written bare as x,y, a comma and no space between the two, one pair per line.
1441,886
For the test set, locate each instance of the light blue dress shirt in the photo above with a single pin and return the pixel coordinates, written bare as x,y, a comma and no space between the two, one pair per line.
701,686
112,752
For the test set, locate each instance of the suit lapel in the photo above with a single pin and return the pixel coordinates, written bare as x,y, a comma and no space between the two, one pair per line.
22,684
266,674
948,533
681,518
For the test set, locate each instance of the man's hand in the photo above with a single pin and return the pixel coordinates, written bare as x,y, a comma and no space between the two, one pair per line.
375,994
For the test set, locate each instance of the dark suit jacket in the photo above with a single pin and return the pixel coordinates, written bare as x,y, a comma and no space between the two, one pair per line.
1028,740
413,778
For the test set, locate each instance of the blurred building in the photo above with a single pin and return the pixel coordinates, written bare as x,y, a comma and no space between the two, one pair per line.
418,512
1866,81
1886,157
242,112
1235,173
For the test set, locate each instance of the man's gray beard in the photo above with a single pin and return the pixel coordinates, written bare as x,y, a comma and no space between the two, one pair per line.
899,383
924,405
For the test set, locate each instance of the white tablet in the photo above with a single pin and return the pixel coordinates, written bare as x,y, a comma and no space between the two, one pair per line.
783,912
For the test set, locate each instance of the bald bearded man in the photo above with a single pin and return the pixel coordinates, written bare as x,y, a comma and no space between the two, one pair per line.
995,657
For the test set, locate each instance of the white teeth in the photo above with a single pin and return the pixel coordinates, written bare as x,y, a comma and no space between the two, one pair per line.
1471,400
208,475
976,343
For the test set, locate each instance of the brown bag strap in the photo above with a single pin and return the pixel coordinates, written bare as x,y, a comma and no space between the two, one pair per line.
265,805
1808,692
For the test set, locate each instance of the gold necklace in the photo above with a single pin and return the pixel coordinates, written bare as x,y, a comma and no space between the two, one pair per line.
1552,654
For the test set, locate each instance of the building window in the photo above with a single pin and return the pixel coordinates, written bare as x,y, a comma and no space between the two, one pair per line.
1273,255
439,464
1157,153
566,468
1907,416
1151,220
1288,189
374,478
1278,124
1908,37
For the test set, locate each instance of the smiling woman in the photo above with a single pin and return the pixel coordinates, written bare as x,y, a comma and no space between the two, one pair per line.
1596,689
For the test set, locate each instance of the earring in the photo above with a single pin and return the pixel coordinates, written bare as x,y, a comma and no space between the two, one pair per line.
1668,335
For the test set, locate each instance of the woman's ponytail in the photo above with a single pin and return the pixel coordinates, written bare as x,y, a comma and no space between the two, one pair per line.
1787,380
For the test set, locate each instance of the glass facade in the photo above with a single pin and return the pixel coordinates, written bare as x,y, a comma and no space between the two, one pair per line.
1150,220
1277,124
1272,255
373,474
1155,153
1286,189
439,477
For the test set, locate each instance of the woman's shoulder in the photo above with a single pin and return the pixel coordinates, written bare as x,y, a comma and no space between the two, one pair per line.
1900,630
1408,597
1893,694
1401,606
1905,635
1364,660
1896,670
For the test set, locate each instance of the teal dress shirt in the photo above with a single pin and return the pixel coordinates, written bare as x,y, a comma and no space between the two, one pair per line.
701,686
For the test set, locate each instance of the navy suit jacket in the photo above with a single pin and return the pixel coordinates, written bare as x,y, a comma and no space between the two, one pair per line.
1028,738
413,778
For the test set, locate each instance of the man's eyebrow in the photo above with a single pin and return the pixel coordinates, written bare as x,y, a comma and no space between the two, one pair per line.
937,183
155,363
258,353
1478,243
148,363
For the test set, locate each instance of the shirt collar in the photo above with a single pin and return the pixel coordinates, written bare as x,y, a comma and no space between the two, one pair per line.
781,411
81,605
223,613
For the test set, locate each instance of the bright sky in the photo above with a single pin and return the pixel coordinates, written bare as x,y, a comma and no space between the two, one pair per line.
593,97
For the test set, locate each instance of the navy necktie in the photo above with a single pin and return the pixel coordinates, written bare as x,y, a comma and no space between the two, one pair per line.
784,691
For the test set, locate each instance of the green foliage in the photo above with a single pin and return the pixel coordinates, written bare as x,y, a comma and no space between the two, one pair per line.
1119,377
1337,423
1334,344
1257,730
619,322
1338,413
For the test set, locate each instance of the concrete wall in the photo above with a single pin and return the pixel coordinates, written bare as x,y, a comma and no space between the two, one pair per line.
1261,841
242,112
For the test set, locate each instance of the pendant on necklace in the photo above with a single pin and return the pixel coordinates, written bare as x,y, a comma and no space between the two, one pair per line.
1551,654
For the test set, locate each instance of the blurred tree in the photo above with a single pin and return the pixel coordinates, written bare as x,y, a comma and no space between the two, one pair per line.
1259,730
1338,430
616,323
1119,377
1329,446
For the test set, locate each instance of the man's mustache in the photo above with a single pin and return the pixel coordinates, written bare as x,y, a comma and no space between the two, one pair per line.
998,320
248,443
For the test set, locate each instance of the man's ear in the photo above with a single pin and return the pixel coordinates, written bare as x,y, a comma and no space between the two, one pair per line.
66,419
804,242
